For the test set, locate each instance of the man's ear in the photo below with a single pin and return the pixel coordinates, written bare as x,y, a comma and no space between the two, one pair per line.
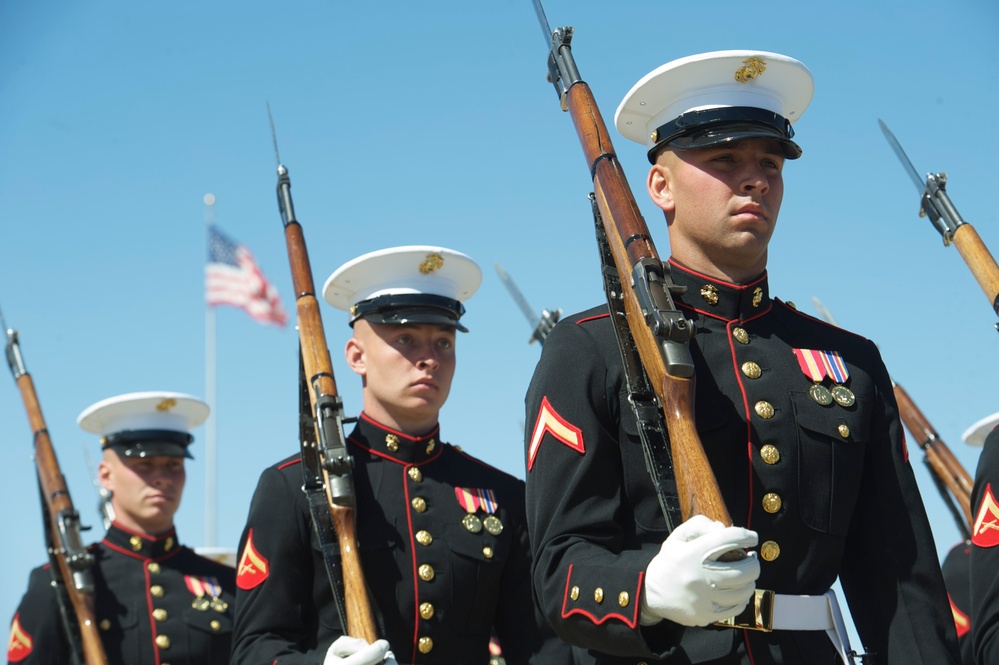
354,354
105,475
660,187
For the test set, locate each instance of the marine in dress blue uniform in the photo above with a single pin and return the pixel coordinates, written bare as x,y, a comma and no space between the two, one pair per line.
156,601
797,417
442,536
982,567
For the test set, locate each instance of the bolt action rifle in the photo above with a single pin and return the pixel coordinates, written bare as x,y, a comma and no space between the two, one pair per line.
936,205
326,464
660,332
70,562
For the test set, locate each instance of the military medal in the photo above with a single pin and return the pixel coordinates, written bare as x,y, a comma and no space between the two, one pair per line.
820,394
201,603
817,365
472,500
206,591
843,395
219,605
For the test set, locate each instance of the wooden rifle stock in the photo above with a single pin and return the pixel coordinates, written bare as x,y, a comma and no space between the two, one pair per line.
66,549
323,394
979,259
633,250
941,460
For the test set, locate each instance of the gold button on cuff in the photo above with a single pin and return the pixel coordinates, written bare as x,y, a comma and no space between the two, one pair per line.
487,552
215,625
574,593
844,431
598,595
771,502
740,335
160,614
752,370
764,409
623,599
415,474
424,538
770,454
425,645
162,641
419,504
156,590
154,568
426,572
392,442
105,624
769,550
426,611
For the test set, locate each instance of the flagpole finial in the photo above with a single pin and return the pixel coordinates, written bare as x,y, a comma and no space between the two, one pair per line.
209,199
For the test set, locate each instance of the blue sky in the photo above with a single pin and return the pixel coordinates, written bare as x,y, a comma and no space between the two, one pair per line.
404,125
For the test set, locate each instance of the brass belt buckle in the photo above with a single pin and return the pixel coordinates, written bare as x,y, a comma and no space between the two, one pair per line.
758,615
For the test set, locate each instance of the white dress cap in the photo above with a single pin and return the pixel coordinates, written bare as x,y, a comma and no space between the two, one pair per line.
409,272
146,423
757,79
975,435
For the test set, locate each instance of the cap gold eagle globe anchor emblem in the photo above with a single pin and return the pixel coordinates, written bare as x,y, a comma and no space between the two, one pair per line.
710,294
431,263
752,68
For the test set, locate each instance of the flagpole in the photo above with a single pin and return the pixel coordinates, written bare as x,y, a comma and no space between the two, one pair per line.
210,453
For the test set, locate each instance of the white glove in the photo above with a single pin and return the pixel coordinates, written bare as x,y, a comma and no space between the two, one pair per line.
347,650
685,583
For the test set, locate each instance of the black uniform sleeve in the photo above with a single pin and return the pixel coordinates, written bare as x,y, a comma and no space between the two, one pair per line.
588,567
890,573
276,620
985,554
37,636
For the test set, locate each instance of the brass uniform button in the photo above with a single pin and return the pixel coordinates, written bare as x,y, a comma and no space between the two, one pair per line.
426,572
415,474
740,334
487,552
752,370
769,550
426,611
770,454
710,294
160,614
791,304
431,444
154,568
162,641
623,599
771,502
757,296
136,543
424,538
844,431
425,645
764,409
574,593
156,590
215,624
598,595
105,624
419,504
392,442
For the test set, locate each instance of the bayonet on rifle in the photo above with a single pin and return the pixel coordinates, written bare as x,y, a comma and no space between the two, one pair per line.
542,325
936,204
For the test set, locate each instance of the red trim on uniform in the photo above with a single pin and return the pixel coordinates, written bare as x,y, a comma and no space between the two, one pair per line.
961,620
905,446
631,622
748,418
416,577
253,568
593,318
986,531
550,421
297,460
434,432
136,555
20,643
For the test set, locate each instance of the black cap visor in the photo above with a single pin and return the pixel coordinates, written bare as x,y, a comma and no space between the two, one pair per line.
149,443
410,308
711,127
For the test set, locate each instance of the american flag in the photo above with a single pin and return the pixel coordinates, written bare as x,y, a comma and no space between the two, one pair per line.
233,278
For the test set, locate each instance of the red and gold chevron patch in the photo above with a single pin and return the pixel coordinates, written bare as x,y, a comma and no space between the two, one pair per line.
550,422
20,643
961,620
253,567
986,531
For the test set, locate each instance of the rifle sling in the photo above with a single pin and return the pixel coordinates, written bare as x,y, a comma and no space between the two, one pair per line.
648,411
314,487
